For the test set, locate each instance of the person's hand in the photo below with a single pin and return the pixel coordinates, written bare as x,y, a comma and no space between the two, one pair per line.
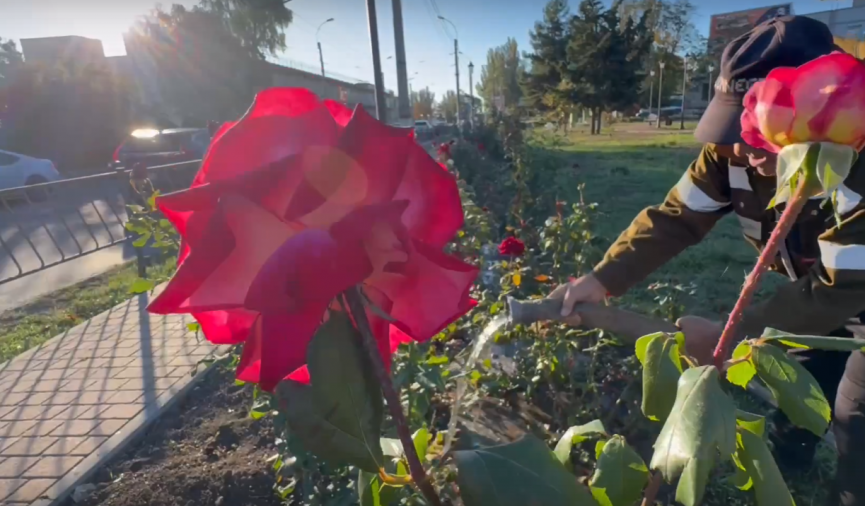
584,289
701,337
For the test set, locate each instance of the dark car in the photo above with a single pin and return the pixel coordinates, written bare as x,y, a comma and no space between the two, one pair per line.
155,147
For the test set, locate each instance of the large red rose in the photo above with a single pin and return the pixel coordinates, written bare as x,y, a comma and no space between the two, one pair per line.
298,201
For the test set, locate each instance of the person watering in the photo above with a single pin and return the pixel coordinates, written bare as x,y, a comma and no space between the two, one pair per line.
826,293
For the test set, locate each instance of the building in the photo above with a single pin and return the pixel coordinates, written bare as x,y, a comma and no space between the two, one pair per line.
69,48
846,23
723,28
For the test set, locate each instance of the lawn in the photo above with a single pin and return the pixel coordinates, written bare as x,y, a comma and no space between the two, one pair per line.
631,166
44,318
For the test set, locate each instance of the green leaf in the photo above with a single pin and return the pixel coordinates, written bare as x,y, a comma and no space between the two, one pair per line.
135,209
142,240
338,417
695,477
741,373
742,480
141,285
814,342
620,474
517,474
662,368
152,200
755,424
437,360
701,424
372,491
797,392
576,435
769,486
391,447
421,440
193,327
599,447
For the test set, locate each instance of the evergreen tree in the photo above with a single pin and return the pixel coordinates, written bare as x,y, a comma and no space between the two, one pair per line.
542,84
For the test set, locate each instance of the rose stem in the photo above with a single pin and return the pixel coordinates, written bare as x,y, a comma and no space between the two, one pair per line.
767,256
355,304
652,489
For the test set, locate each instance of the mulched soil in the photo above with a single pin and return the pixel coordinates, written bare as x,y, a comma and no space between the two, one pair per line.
205,451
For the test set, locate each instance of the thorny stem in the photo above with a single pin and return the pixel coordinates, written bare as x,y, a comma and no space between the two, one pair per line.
652,489
767,257
354,298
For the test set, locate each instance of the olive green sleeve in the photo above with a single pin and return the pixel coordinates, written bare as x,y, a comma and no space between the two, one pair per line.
659,233
834,289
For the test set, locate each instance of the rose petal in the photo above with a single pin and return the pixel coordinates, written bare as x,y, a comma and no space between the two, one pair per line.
429,292
240,238
281,122
277,345
435,212
311,266
226,327
341,114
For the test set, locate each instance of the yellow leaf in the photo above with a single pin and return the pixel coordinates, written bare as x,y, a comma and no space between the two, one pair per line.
517,279
543,278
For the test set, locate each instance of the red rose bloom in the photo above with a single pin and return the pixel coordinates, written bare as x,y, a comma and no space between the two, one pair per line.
444,150
296,202
512,247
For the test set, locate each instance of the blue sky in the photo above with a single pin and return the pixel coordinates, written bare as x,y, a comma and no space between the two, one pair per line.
429,43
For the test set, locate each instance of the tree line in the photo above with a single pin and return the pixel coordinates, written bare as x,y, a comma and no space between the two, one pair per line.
204,58
595,59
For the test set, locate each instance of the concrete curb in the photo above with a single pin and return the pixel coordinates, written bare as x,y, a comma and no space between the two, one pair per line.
122,439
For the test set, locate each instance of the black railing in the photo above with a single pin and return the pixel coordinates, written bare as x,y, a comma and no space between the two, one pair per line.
46,224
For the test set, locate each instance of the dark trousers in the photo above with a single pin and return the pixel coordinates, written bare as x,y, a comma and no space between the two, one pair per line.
842,377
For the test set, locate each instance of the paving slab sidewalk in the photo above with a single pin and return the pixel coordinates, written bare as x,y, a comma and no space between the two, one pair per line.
69,405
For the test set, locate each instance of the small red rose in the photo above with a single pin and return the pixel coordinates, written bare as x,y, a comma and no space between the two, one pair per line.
512,247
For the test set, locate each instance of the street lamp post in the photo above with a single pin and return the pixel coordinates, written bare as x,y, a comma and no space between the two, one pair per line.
320,54
711,84
457,66
660,91
684,87
651,91
471,97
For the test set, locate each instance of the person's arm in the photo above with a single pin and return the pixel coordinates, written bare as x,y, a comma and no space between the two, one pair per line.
659,233
834,289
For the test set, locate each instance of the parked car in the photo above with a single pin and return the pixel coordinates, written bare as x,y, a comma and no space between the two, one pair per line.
422,127
18,170
161,147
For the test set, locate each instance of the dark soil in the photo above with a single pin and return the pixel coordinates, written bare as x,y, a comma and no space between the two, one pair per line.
205,451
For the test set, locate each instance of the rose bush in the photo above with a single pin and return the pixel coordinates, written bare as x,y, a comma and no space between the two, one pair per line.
298,201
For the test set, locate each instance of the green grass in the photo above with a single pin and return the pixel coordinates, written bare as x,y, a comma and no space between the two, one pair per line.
631,166
655,160
44,318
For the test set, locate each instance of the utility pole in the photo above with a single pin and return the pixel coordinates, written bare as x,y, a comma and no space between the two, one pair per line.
684,86
711,84
471,96
457,67
404,105
660,92
320,54
651,92
380,104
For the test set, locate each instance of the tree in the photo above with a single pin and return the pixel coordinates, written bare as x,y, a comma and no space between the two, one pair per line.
257,24
605,58
542,83
205,71
500,76
448,106
74,114
424,103
10,58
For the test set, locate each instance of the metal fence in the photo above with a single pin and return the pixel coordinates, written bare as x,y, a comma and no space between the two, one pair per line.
46,224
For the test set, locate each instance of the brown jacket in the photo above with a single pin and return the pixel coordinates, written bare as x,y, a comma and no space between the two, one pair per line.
826,262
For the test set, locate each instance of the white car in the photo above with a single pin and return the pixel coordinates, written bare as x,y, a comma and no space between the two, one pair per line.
20,170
